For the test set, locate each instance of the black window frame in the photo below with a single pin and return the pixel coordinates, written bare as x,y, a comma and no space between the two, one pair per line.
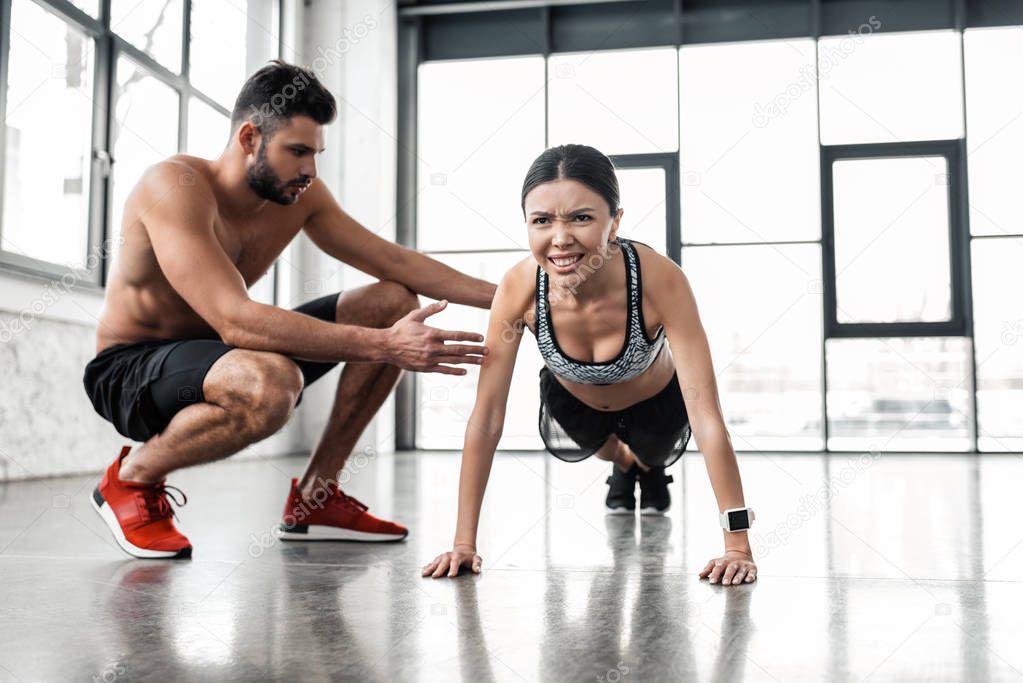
958,240
669,163
109,46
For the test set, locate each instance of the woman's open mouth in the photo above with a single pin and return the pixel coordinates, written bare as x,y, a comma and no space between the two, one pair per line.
565,264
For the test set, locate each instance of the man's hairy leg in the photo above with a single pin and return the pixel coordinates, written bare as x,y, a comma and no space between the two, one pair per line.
249,396
363,387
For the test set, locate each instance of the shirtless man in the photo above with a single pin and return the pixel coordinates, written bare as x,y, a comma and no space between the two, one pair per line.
194,369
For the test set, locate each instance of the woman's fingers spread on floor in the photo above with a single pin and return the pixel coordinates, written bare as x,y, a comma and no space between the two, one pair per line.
442,567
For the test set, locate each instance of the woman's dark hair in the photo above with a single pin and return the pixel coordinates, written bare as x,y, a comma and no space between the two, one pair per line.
575,162
279,91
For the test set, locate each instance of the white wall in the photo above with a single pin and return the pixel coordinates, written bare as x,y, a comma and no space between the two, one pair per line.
47,425
352,47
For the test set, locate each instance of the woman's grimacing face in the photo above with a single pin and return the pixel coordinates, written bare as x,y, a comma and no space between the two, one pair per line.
568,223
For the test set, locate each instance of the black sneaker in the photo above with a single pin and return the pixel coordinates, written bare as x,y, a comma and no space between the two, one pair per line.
655,499
621,494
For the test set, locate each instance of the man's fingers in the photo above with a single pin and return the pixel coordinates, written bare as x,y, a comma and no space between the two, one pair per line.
426,311
466,349
458,360
444,370
458,335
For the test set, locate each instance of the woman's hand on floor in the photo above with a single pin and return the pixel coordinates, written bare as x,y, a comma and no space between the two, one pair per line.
735,566
450,562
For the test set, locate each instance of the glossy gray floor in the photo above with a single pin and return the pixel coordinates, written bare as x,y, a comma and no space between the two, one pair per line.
897,567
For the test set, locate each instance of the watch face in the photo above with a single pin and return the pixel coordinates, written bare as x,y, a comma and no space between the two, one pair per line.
738,519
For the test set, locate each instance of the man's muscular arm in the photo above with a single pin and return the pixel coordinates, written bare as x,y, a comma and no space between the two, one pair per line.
341,236
179,223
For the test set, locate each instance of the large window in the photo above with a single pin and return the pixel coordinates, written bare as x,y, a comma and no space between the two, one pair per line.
126,97
750,194
50,78
821,215
472,158
995,133
891,88
604,99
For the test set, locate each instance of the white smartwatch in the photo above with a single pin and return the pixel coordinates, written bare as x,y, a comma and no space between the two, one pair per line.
737,519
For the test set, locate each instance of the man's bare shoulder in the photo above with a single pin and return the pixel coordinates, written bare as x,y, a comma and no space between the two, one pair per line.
317,198
176,183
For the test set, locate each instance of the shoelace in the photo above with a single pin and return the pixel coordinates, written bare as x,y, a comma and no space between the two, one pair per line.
154,501
350,501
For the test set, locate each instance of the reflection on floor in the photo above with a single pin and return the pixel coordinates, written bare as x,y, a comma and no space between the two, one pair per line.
894,567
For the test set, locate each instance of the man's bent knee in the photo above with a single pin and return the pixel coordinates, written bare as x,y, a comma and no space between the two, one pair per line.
384,304
401,301
259,388
400,296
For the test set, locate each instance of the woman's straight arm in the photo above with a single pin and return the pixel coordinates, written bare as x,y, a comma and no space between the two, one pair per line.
485,425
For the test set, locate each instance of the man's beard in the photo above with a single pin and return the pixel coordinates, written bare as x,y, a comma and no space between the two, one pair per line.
267,184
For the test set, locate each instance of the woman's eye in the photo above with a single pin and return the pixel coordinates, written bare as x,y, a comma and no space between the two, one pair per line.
582,217
539,221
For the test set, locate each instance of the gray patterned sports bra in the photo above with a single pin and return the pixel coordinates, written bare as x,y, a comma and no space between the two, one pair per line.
638,352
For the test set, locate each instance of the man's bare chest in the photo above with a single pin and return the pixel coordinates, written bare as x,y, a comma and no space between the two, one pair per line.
254,247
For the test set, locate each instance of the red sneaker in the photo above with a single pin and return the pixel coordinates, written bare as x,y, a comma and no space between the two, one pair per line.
139,516
335,516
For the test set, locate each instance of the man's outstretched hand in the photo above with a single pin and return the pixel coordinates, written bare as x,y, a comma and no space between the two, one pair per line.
411,345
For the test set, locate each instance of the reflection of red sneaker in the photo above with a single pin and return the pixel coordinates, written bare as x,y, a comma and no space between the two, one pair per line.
333,516
139,516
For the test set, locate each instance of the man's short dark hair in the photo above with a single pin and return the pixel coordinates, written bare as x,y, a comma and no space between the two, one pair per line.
279,91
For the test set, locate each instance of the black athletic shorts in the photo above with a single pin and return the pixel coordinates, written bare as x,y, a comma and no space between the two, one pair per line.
140,387
656,429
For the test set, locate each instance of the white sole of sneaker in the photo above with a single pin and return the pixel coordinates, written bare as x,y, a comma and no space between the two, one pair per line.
618,511
108,516
319,532
654,511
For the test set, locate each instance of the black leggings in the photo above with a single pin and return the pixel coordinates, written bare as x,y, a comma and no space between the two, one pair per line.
656,429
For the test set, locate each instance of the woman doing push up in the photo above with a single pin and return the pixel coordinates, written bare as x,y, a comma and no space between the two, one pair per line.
627,370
